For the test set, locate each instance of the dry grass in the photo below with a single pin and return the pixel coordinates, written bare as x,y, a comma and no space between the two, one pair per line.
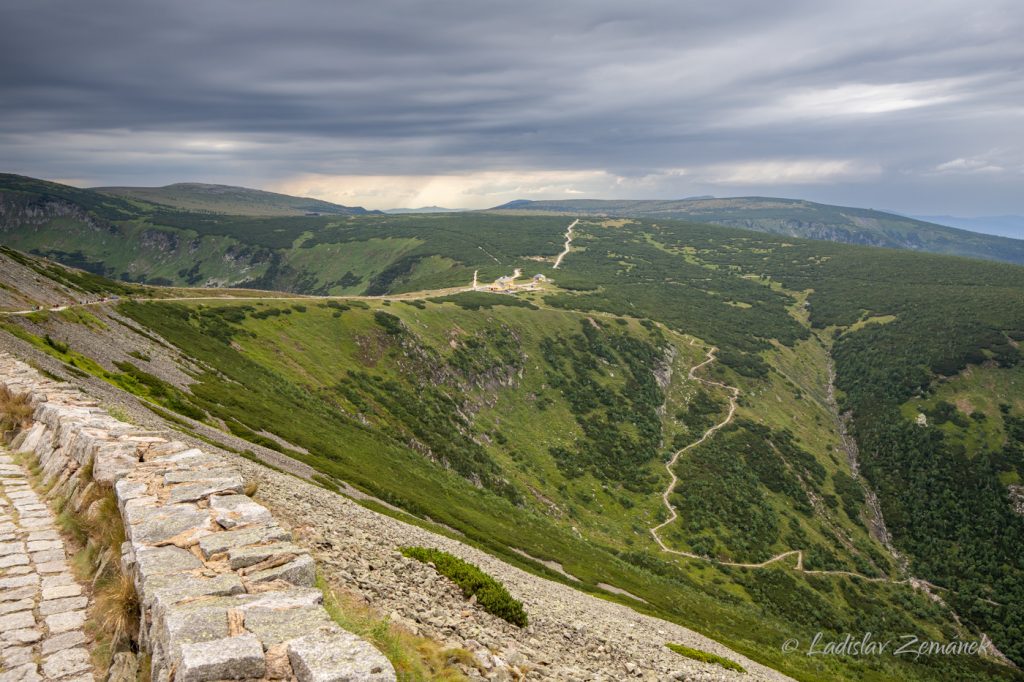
15,411
416,659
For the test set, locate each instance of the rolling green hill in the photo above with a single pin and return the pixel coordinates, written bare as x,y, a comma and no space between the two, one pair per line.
195,196
541,422
796,218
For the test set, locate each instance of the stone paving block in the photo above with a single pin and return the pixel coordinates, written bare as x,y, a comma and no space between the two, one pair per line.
17,593
231,658
15,656
337,657
23,673
48,608
42,545
43,535
52,567
19,581
65,640
19,605
18,570
13,560
22,636
48,556
17,621
66,662
61,591
62,622
58,580
12,548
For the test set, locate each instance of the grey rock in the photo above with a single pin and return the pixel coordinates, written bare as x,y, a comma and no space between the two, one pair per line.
65,640
162,560
274,626
61,591
222,542
123,668
337,657
230,511
48,608
19,605
23,636
241,557
16,621
172,588
23,673
15,656
301,571
62,622
230,658
191,492
183,522
66,662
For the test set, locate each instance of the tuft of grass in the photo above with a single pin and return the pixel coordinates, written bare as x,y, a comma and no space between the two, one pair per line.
490,594
706,657
15,410
416,659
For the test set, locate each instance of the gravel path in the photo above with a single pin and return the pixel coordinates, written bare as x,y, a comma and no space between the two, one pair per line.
42,608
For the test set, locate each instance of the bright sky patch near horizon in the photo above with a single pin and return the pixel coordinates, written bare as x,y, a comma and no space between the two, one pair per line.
909,106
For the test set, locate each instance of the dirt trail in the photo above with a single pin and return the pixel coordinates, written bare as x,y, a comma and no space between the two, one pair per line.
734,394
568,242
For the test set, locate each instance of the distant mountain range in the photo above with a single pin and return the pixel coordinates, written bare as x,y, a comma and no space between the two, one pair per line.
1003,225
797,218
422,209
195,196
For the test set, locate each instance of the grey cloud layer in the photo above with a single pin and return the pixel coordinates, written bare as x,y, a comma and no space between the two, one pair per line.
919,99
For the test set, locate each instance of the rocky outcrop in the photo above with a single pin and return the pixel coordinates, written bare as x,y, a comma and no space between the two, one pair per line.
224,592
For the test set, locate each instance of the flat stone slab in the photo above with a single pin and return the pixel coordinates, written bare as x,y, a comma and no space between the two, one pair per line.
241,557
62,622
61,591
65,640
337,657
301,571
48,608
222,542
17,621
231,658
23,673
66,662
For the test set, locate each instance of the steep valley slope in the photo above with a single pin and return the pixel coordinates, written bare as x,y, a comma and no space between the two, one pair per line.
536,427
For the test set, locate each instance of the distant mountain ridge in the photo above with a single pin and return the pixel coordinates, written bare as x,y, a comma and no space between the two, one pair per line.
197,196
1011,226
797,218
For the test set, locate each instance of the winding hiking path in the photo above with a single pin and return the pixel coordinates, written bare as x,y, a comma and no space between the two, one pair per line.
568,243
734,394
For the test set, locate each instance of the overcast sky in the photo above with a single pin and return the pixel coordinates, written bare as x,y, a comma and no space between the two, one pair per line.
910,105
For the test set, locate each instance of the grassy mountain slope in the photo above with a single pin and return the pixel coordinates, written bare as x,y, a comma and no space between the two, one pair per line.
541,422
797,218
195,196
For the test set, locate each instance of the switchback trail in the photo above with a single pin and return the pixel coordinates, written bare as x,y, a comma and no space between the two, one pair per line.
734,394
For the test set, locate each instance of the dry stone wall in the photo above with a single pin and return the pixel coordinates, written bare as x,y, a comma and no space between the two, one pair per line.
224,592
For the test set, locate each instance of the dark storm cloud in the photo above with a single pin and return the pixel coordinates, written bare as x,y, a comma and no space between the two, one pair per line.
879,103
